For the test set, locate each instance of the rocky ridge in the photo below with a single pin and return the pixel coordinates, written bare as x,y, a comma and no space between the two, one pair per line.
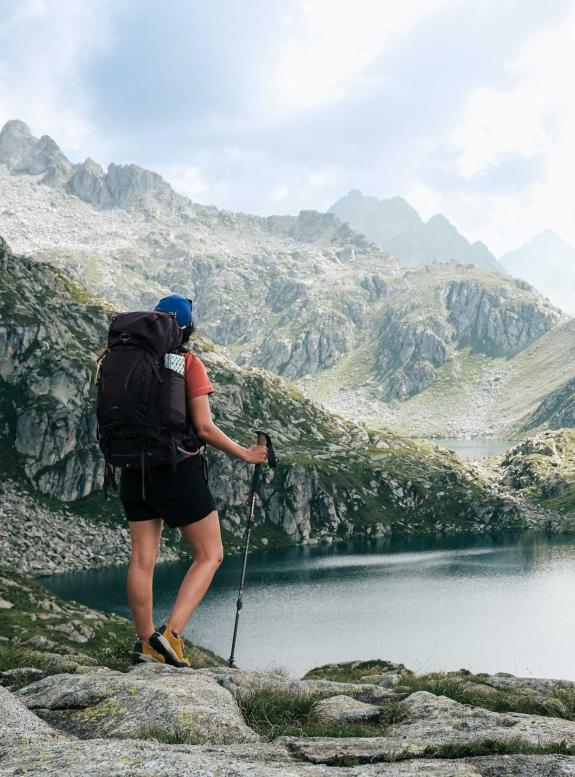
307,297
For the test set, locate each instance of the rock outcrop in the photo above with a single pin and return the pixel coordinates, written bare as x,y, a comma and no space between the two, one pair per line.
542,470
431,316
497,321
148,701
555,411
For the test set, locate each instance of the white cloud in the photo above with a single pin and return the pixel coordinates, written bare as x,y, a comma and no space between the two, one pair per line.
535,117
188,180
43,46
279,193
329,43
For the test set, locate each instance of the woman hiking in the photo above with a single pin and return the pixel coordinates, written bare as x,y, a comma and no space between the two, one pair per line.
178,495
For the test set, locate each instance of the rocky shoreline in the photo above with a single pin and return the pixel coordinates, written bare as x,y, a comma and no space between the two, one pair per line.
37,540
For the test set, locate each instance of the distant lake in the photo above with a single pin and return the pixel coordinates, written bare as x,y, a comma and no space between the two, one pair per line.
487,603
475,447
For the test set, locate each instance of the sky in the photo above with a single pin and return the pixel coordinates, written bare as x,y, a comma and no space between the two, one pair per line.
273,106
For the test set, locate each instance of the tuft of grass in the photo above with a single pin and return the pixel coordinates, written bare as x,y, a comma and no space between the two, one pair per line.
115,654
17,657
14,656
178,735
275,713
290,713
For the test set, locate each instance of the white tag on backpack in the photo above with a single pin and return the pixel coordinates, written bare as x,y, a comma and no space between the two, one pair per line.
175,362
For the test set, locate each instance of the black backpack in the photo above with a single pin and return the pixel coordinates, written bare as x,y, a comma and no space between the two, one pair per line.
142,414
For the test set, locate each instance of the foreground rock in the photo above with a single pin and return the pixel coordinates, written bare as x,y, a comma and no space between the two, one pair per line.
161,721
148,702
344,709
245,682
18,725
77,758
29,745
433,724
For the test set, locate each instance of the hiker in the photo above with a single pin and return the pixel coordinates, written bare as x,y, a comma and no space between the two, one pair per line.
177,492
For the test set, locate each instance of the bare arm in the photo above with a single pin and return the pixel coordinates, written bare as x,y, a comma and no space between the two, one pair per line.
212,434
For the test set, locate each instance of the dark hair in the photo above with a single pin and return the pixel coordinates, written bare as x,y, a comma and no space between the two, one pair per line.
188,332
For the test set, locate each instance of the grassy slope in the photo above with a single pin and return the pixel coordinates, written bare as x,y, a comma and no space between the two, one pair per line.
38,614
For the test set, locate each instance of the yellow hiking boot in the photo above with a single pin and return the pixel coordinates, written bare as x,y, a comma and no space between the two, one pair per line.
170,645
143,653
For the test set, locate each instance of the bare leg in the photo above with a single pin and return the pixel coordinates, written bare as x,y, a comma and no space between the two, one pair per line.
205,541
145,536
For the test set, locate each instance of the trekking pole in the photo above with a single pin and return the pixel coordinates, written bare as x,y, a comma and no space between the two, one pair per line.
263,439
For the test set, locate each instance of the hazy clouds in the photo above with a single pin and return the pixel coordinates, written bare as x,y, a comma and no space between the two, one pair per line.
276,105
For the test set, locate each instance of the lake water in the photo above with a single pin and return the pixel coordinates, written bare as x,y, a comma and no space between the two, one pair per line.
474,447
499,603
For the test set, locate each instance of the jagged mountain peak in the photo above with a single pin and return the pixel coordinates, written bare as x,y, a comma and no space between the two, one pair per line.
548,238
120,186
548,262
92,167
391,206
396,226
15,128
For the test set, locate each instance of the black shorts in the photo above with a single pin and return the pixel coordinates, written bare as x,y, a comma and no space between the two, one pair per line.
180,496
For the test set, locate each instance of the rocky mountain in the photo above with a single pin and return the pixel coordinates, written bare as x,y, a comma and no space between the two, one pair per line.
547,262
556,410
335,479
542,468
72,705
394,225
304,296
451,350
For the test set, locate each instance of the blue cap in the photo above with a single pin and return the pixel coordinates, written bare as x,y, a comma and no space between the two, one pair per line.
180,307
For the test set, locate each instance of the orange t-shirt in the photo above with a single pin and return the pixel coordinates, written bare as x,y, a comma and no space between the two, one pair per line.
197,381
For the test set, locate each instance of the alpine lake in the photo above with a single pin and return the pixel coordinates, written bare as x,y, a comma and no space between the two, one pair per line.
488,603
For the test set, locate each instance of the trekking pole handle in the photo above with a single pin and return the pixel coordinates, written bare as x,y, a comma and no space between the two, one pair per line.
265,439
